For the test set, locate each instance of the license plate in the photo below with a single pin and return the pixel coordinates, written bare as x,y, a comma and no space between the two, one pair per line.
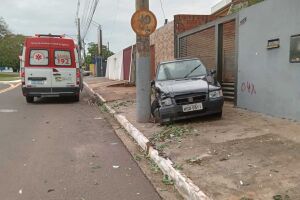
37,82
192,107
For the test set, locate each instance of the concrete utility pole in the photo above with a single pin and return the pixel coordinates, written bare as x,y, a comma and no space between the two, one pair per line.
84,53
79,41
143,71
100,40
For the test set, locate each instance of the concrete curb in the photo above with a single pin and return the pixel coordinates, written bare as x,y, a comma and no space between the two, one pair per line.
184,185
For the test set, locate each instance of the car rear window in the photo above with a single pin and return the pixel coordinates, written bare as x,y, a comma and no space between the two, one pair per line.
39,57
62,58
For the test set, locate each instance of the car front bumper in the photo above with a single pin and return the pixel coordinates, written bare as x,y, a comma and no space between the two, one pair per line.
50,92
175,112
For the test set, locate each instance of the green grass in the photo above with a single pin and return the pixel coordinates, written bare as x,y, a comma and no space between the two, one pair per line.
9,76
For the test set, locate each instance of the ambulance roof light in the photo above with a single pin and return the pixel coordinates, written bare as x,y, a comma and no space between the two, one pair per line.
49,35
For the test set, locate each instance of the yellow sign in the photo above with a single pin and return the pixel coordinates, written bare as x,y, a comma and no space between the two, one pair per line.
143,22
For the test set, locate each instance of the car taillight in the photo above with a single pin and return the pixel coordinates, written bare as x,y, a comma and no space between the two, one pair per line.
77,76
22,74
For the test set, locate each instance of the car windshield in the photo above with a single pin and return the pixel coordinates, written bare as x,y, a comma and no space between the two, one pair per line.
180,70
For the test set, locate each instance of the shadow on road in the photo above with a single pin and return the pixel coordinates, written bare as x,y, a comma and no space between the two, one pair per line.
55,100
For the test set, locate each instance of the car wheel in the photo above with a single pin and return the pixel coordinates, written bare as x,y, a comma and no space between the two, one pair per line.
219,115
29,99
154,106
154,111
76,98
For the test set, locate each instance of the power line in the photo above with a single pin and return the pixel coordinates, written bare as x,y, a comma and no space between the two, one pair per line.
78,7
85,13
115,18
90,16
162,8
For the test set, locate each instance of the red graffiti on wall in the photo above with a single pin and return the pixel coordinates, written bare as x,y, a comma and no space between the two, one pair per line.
248,87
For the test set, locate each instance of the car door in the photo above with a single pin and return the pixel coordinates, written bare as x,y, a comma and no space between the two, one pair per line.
38,73
64,70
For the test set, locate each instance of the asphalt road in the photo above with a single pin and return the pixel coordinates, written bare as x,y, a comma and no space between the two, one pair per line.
3,86
59,150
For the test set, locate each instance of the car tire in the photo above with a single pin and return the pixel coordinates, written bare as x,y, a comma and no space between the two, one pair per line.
154,111
29,99
154,106
219,115
76,98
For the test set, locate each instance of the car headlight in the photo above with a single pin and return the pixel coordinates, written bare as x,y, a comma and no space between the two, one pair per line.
166,102
215,94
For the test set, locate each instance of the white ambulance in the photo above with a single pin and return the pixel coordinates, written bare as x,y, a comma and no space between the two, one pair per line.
50,67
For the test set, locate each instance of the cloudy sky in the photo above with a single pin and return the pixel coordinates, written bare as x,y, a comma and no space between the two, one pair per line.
58,17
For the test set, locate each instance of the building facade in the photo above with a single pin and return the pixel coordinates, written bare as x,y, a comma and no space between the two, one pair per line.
269,58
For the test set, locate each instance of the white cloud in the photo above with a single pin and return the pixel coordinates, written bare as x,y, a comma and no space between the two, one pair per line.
58,16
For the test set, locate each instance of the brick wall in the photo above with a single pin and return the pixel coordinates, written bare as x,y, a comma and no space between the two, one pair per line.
163,41
187,22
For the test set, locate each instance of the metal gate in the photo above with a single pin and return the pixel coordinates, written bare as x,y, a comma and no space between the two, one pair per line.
199,45
215,44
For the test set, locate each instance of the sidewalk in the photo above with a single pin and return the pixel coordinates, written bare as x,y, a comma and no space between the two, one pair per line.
243,156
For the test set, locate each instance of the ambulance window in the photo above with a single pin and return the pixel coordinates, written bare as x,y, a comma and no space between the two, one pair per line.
39,57
62,58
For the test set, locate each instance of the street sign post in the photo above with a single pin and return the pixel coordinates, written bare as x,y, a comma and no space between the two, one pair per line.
144,23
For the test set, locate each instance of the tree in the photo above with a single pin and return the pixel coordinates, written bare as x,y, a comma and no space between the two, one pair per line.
10,49
3,28
93,51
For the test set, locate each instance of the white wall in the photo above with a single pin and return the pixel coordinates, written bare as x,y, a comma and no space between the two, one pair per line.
267,81
114,69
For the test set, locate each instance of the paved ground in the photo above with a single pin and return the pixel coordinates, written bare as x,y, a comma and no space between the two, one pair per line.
3,86
244,155
56,149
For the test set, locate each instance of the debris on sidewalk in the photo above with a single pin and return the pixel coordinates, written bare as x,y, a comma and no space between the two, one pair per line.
199,159
51,190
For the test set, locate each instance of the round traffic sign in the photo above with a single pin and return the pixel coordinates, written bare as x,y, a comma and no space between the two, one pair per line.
143,22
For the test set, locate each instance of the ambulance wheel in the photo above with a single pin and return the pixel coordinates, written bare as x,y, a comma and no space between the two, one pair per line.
29,99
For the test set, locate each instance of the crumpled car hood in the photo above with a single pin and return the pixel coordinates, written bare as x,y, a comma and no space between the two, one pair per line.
177,87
